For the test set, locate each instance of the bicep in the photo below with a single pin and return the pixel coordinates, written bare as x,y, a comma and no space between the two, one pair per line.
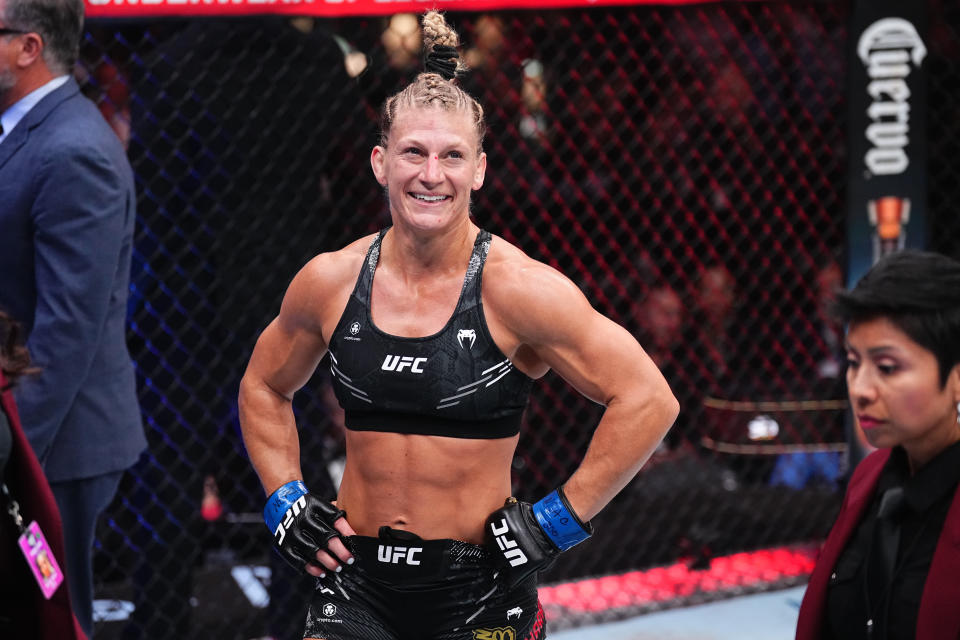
290,348
284,358
598,357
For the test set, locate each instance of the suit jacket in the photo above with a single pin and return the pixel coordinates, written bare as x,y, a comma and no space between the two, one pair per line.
24,612
939,615
67,208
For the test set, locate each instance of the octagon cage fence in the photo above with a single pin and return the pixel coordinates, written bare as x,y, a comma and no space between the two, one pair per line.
684,165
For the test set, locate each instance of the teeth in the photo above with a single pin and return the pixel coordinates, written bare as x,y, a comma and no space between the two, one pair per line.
419,196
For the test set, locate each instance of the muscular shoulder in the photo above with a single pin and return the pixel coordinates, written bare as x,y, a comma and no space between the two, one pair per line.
332,267
527,295
514,270
317,294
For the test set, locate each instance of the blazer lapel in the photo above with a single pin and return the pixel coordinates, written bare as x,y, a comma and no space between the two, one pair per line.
860,494
939,616
21,133
12,143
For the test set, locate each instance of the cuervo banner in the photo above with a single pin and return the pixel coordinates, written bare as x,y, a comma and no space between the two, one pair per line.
886,131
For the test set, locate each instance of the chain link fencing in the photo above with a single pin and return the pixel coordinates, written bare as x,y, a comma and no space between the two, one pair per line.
685,166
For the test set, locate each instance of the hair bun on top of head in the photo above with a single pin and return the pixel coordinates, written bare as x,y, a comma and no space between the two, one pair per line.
443,60
440,41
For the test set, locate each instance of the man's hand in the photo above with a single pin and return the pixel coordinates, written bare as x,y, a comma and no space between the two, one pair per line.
526,538
307,531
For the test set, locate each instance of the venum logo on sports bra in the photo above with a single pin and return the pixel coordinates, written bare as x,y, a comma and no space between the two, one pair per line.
466,336
399,363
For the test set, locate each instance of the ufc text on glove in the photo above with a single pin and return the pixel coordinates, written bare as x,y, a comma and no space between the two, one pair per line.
300,522
528,537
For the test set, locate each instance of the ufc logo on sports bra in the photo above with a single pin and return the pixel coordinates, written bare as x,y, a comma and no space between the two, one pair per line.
394,555
399,363
509,547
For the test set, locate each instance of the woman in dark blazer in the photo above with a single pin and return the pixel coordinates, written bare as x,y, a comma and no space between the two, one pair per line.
890,568
24,612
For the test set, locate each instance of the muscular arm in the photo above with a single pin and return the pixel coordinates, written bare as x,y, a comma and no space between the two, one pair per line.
556,327
283,359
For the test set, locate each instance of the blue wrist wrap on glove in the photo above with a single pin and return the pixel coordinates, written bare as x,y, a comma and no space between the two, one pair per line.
560,524
280,502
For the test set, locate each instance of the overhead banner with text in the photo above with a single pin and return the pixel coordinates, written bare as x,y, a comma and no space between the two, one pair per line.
886,85
331,8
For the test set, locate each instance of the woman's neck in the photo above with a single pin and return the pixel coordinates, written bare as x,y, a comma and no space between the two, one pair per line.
416,253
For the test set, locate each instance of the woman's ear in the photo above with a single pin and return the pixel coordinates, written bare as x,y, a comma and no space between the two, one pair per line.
481,172
378,159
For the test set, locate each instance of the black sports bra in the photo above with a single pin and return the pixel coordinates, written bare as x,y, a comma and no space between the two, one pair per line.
455,383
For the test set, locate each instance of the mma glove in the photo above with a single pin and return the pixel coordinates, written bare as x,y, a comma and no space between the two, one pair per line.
301,523
526,538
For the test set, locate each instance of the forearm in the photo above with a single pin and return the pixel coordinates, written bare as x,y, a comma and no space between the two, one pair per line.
269,434
624,440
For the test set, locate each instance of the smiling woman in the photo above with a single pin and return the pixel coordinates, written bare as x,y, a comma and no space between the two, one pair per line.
430,167
435,330
889,567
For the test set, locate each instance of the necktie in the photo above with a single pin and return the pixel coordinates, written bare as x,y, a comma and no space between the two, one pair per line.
888,529
886,541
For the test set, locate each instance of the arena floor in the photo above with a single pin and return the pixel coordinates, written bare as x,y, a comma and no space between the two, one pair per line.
763,616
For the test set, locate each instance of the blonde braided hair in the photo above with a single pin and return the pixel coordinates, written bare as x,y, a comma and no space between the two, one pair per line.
431,90
437,31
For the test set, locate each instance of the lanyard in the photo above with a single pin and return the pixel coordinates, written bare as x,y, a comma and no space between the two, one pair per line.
13,507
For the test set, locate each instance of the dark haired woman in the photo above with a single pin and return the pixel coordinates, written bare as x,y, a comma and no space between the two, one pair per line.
24,611
890,568
436,330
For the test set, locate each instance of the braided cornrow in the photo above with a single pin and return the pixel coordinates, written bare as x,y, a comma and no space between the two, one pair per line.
437,31
436,87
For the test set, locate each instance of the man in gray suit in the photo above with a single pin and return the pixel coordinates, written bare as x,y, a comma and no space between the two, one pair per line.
67,208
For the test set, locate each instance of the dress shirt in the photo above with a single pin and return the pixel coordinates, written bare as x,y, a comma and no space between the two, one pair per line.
20,108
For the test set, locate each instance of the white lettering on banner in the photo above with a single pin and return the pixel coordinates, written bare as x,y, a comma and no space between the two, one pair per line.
886,48
329,8
393,555
133,3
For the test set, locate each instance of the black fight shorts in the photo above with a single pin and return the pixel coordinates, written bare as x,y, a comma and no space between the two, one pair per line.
402,587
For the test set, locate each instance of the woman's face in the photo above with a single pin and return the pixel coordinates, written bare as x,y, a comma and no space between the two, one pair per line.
429,167
895,391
